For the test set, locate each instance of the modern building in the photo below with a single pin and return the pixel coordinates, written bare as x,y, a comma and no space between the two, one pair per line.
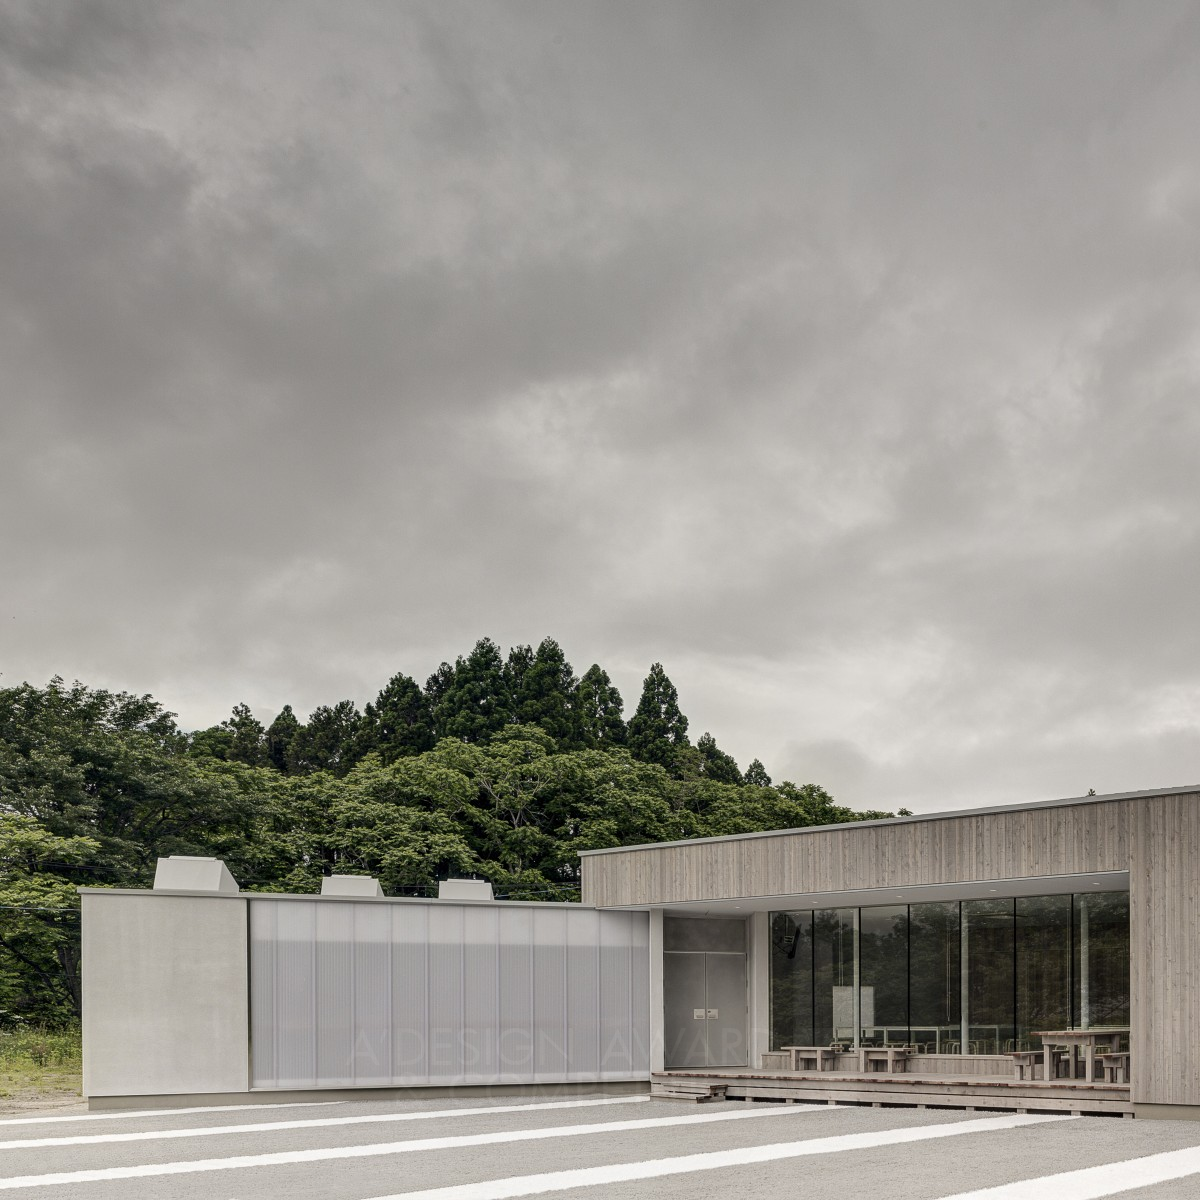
925,958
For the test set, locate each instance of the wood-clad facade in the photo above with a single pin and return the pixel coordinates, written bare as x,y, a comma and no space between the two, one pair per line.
1153,836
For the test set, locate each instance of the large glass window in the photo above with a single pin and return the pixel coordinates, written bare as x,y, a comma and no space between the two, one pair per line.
1101,992
834,975
987,934
935,980
883,975
791,979
963,977
1043,942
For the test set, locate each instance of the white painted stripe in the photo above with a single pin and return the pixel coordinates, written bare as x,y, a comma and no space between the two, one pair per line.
324,1154
153,1135
557,1181
122,1114
1090,1183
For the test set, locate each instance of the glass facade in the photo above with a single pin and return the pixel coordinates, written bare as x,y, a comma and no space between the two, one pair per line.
964,977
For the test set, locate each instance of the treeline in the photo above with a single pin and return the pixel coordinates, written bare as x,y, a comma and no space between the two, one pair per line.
472,701
502,767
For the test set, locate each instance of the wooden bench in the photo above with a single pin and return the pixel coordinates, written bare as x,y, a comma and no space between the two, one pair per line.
775,1060
818,1055
894,1058
1026,1060
1115,1066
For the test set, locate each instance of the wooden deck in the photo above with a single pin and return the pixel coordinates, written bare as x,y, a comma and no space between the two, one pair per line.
912,1090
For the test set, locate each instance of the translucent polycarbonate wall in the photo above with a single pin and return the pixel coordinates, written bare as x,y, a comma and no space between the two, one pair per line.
371,994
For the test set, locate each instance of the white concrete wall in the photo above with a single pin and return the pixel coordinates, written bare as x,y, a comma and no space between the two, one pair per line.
165,994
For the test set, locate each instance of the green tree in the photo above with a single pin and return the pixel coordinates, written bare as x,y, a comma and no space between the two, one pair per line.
756,774
715,763
658,729
280,735
599,706
39,920
398,724
546,696
475,705
239,738
328,741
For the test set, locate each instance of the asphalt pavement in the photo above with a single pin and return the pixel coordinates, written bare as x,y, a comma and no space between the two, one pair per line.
600,1148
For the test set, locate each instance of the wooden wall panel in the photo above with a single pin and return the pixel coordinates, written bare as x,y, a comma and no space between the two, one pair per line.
1164,917
1065,840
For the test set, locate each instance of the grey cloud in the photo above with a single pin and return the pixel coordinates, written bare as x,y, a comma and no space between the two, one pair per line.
842,358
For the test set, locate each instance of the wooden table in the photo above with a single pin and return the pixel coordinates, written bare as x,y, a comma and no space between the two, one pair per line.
1074,1040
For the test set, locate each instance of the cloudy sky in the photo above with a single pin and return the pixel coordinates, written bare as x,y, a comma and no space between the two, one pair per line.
841,356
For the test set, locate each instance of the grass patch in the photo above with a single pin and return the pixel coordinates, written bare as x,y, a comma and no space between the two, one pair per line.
38,1064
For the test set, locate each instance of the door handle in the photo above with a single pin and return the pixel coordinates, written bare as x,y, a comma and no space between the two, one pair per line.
712,1014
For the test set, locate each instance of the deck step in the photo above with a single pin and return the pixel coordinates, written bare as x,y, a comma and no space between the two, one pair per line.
682,1089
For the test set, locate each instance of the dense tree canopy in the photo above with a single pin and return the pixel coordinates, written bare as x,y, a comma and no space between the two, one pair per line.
500,767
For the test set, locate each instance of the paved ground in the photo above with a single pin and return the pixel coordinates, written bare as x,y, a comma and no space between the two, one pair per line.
624,1148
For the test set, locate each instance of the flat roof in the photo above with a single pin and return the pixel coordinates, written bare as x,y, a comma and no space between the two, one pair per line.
937,816
85,890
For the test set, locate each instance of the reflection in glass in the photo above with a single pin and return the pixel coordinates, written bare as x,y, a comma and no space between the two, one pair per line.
987,933
1101,960
834,976
1043,967
883,975
935,984
791,979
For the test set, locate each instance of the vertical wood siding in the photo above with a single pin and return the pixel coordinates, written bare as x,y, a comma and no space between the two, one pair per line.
1051,841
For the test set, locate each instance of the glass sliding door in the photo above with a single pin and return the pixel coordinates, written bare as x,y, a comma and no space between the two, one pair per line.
1043,945
1101,992
835,975
935,977
791,979
989,980
883,975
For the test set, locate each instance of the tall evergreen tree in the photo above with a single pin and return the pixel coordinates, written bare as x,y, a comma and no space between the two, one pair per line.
516,667
436,687
546,696
715,763
476,704
756,774
328,741
658,728
280,735
248,738
599,706
399,722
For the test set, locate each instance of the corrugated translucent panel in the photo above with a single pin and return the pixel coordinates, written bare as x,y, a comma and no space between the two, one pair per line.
410,1008
346,993
516,992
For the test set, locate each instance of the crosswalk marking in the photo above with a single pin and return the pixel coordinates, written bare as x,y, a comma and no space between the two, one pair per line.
142,1135
556,1181
1092,1183
325,1154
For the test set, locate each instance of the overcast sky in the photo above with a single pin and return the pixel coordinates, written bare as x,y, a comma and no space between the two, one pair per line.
842,357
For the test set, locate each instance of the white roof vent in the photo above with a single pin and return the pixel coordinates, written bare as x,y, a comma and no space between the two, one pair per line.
365,887
465,889
181,873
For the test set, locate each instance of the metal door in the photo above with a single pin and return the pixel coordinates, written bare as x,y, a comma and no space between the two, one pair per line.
725,1002
704,1009
685,1040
